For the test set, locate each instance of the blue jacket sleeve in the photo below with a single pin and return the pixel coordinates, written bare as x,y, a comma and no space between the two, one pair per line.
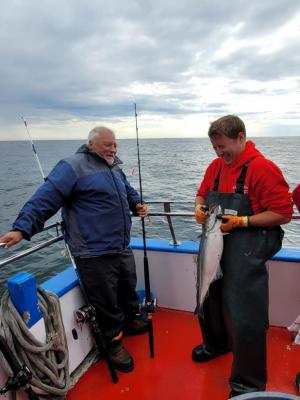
46,201
132,195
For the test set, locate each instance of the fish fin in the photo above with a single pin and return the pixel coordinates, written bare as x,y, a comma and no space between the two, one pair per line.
199,307
199,310
219,274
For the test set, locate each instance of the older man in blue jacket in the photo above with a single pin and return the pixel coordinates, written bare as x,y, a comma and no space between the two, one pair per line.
96,200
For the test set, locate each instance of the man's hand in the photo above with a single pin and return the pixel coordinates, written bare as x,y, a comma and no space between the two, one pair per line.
10,239
142,210
201,213
231,221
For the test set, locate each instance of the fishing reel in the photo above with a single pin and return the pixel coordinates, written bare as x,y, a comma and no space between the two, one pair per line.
148,307
21,373
84,314
18,380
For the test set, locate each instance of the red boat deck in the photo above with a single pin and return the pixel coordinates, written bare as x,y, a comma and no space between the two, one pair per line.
172,375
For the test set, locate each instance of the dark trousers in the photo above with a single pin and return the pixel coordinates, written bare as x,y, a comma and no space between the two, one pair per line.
109,282
235,314
227,324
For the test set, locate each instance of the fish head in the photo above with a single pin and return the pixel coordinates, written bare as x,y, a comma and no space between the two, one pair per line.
214,210
212,220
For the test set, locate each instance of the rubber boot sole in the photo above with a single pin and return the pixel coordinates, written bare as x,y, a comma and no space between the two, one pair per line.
123,368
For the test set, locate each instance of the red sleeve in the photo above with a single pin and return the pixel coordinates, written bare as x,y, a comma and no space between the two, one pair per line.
270,188
296,197
209,177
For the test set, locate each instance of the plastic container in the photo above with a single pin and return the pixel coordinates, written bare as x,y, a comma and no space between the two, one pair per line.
266,395
23,292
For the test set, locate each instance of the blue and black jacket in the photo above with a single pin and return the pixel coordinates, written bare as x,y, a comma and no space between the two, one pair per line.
95,198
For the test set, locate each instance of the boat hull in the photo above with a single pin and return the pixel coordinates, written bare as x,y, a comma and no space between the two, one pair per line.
173,282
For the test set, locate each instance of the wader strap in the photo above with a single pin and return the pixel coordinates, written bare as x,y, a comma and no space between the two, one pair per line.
240,183
217,180
241,180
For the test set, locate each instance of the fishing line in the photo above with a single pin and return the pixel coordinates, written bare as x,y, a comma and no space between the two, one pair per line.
34,150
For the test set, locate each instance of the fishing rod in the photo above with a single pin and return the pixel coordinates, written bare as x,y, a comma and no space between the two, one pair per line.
34,150
91,312
21,374
149,303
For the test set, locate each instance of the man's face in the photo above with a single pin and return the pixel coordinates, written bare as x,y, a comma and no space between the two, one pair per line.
105,146
227,148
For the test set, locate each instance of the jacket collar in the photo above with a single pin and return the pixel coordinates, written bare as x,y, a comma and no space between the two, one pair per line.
86,150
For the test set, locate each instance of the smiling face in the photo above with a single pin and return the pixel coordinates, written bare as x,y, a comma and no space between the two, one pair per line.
227,148
105,145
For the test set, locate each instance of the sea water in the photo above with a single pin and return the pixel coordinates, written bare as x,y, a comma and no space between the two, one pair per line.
171,169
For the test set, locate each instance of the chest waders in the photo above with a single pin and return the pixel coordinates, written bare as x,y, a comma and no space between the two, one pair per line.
235,313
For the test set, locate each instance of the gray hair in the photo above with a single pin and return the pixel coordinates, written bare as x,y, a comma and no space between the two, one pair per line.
97,131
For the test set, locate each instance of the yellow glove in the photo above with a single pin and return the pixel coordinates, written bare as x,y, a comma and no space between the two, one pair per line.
231,221
201,213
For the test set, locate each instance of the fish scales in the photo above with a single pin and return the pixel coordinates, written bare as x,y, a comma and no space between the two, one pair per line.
210,254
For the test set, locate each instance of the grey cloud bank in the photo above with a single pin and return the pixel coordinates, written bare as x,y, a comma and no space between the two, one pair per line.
66,66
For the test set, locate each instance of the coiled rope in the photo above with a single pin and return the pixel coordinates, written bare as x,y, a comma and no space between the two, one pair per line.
47,361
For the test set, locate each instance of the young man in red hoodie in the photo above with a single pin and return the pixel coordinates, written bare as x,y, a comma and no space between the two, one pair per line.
255,201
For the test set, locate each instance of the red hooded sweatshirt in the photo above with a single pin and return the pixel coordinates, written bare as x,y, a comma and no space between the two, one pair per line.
264,184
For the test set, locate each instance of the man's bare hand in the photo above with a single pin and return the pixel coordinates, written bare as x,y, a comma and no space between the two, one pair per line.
10,239
142,210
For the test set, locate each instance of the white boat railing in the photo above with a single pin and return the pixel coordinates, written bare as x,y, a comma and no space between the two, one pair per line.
31,250
167,213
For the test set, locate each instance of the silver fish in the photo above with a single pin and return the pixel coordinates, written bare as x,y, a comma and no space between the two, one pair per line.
209,256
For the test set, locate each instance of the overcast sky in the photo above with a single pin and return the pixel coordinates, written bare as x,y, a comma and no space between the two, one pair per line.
69,65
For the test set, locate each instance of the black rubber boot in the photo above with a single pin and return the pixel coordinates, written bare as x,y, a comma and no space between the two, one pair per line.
200,353
119,356
297,382
137,325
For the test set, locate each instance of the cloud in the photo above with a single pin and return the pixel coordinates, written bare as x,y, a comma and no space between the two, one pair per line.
73,62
